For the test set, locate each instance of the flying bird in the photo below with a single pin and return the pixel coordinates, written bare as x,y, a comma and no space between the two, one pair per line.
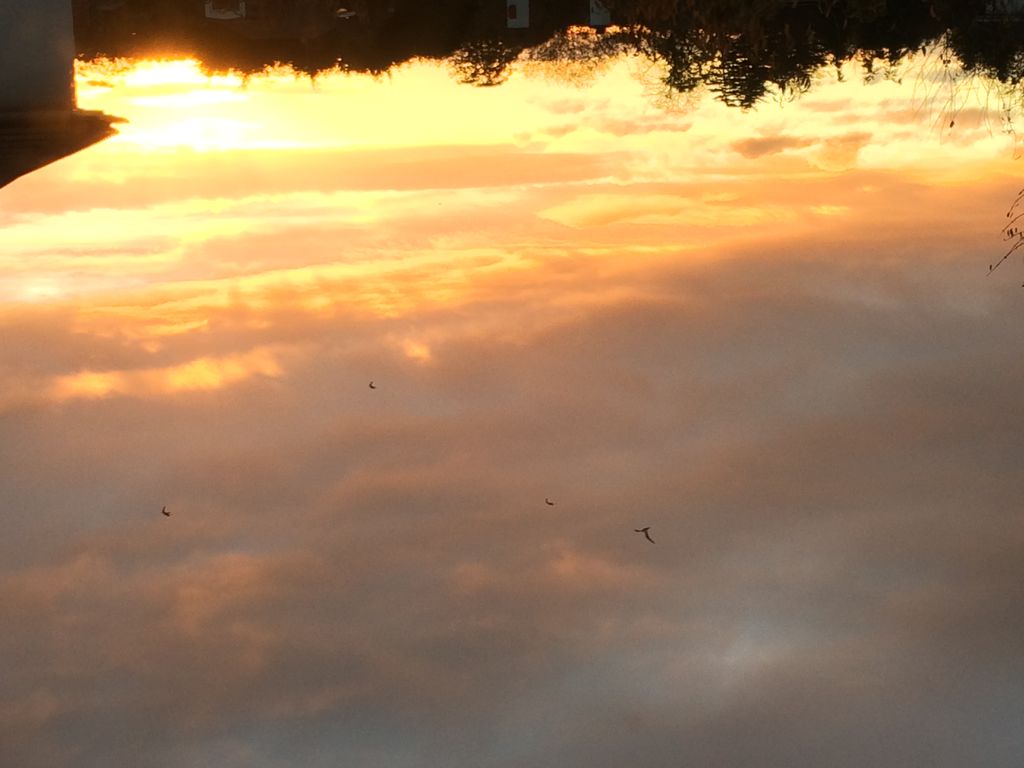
646,531
164,512
372,386
549,502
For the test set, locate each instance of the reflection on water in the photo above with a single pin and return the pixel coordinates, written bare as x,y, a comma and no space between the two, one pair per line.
742,51
239,167
767,334
39,122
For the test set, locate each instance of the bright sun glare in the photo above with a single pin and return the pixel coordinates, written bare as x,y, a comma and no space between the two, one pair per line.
173,103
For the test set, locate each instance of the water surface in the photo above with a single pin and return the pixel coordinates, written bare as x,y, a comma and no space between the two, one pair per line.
771,335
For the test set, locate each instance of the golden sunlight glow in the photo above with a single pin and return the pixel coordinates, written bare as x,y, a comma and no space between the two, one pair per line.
89,384
40,290
169,72
830,210
166,103
417,350
215,373
602,209
248,204
191,99
202,374
200,134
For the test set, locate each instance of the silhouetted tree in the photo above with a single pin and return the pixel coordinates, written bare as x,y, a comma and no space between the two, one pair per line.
483,62
575,55
741,50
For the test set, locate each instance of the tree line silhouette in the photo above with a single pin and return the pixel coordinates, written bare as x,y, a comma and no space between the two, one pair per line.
741,50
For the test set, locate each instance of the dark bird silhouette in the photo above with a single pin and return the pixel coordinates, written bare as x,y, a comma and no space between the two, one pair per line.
646,531
164,512
372,386
549,502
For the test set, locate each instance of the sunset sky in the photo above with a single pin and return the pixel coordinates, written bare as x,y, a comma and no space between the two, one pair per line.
769,335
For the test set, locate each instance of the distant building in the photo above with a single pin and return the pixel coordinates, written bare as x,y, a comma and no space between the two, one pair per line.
600,16
37,54
547,16
265,19
224,10
517,14
1003,9
39,120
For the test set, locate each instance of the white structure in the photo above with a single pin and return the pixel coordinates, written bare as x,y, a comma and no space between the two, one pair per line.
517,14
37,54
38,119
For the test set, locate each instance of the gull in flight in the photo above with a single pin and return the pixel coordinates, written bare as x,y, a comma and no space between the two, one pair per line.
164,512
549,502
646,531
372,386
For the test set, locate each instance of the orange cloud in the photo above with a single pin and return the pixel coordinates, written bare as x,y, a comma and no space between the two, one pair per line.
201,374
769,145
839,153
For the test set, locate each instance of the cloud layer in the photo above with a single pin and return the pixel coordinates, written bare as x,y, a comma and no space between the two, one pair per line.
799,375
